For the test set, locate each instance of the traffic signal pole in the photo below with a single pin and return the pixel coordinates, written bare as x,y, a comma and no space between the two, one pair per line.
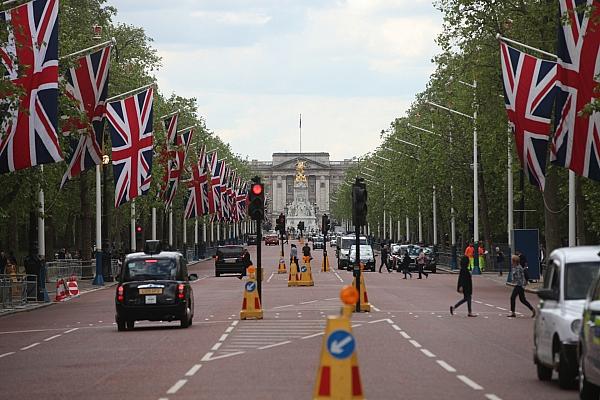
259,259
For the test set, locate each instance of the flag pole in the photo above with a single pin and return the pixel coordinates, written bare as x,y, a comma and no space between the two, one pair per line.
133,244
170,227
505,39
187,129
41,222
510,188
300,133
134,91
110,43
170,114
572,226
153,223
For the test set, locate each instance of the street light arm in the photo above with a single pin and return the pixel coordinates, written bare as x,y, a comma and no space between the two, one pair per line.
423,129
449,109
383,158
406,142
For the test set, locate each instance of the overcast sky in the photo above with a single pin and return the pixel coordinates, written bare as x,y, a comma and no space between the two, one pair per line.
349,66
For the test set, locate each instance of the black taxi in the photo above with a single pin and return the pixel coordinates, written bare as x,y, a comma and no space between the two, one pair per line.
154,286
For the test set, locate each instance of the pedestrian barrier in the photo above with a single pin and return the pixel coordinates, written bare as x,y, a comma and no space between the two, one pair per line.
306,278
293,276
65,268
282,268
16,290
251,307
338,376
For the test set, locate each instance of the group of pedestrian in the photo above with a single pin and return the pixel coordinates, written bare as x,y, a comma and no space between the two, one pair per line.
8,263
520,280
405,262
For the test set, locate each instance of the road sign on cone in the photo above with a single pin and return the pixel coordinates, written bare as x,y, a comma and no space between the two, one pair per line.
293,276
306,278
282,268
251,307
72,286
61,292
338,376
365,306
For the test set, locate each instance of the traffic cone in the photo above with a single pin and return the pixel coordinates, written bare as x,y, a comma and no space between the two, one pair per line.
251,307
293,276
338,376
306,278
60,290
325,264
282,268
72,286
365,306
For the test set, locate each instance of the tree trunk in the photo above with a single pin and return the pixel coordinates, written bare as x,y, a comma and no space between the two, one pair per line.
580,212
86,217
552,223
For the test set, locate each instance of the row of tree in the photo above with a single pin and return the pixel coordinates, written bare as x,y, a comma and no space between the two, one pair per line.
69,212
470,52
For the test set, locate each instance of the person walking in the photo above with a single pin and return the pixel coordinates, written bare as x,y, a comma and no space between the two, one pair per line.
518,278
385,254
405,265
499,260
306,253
293,254
421,264
464,286
246,261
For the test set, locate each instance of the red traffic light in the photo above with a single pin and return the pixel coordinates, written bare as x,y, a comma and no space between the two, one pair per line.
138,228
257,189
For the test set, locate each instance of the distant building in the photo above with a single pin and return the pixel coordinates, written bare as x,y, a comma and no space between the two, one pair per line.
324,177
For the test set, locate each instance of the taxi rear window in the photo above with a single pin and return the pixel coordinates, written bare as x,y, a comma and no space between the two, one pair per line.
150,269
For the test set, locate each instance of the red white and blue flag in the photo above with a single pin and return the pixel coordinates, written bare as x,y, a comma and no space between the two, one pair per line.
183,140
28,136
529,93
130,122
87,84
242,195
170,122
214,193
197,203
576,143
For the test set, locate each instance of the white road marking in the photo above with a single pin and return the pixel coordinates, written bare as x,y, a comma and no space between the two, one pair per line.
216,346
312,336
52,337
379,320
405,335
469,382
177,386
489,305
30,346
446,366
338,276
30,331
415,343
209,356
477,301
286,306
234,323
356,325
223,337
270,277
71,330
308,302
193,370
274,345
503,309
492,396
332,298
7,354
375,308
396,327
428,353
229,329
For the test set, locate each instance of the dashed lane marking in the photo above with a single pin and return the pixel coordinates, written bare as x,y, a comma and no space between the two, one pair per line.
216,346
415,343
313,335
270,277
405,335
30,346
396,327
446,366
286,306
473,385
428,353
192,371
178,385
308,302
71,330
52,337
274,345
7,354
223,337
492,396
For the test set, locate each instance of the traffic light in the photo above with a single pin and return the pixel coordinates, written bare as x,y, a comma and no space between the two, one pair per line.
359,202
138,232
256,201
325,224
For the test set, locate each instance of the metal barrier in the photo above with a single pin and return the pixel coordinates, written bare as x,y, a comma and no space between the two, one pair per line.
16,290
65,268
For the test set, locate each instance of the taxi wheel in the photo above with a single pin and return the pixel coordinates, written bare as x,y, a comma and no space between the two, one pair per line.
187,319
120,325
130,325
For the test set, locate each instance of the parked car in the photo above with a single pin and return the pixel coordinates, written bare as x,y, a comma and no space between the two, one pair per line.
228,260
589,344
252,239
318,242
367,257
567,279
154,286
343,249
271,240
431,259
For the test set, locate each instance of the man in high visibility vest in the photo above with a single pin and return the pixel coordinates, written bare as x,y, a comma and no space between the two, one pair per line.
481,252
470,252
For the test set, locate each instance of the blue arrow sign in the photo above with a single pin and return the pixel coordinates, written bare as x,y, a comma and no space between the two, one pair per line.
303,268
340,344
250,286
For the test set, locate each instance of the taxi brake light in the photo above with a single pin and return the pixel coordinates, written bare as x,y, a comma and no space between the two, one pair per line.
151,261
120,296
180,289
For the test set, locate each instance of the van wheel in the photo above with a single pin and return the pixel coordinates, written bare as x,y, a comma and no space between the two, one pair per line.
130,324
543,373
566,376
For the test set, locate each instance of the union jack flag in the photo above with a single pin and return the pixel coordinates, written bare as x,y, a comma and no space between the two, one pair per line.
225,210
529,93
87,84
197,203
171,129
130,122
576,143
214,194
184,139
242,195
28,136
167,155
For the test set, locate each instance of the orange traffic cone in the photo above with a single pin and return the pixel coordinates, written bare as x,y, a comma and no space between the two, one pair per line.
293,276
282,269
251,307
61,293
72,286
365,306
306,278
338,376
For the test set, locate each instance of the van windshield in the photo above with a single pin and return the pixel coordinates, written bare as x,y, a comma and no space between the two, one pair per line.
151,269
578,277
347,242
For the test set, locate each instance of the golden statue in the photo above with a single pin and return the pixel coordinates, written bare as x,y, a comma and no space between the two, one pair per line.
300,177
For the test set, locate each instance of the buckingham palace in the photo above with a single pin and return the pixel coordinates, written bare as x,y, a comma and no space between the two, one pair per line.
323,177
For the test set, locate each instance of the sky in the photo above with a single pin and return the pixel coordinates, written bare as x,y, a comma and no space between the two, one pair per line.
350,67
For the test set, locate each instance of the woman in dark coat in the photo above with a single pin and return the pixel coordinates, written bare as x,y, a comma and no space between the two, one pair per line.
464,286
